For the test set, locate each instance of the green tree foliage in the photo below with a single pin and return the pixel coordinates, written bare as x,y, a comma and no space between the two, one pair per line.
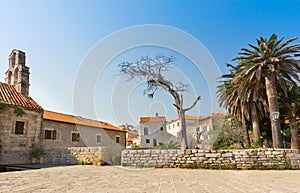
168,145
226,134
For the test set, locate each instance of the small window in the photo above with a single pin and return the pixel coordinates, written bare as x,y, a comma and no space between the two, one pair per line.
19,129
117,139
197,129
161,128
99,138
75,136
202,137
206,137
147,140
146,131
177,124
50,134
174,125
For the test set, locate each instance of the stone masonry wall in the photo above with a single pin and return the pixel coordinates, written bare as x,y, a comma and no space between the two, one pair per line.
75,155
16,148
220,159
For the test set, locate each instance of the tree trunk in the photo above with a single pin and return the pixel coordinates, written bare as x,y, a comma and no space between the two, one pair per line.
245,132
295,144
273,107
183,137
181,114
255,124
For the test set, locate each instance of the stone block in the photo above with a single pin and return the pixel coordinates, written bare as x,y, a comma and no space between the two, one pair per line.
227,155
213,155
200,154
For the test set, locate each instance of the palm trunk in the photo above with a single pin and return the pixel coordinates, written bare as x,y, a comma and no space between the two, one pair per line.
273,107
295,144
255,124
245,132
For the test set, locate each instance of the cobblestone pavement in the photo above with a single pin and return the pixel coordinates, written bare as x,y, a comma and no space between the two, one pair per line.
130,180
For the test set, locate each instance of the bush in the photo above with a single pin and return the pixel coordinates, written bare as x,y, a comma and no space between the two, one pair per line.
168,145
226,135
3,105
19,111
37,152
116,159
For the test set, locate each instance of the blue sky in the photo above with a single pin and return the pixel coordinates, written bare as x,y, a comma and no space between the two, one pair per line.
58,35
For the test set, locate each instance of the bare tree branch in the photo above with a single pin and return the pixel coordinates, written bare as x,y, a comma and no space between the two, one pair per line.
192,106
151,69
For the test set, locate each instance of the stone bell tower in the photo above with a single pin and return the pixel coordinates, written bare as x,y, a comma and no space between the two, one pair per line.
17,73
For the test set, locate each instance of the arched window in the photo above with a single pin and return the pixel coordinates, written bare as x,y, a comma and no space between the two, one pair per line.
16,74
9,78
13,58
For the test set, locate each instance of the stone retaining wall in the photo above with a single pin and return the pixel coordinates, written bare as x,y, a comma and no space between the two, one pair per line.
220,159
75,155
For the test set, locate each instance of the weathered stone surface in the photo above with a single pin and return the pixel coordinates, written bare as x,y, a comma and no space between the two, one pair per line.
89,155
238,158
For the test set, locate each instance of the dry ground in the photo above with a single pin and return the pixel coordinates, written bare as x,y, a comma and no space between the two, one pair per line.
130,180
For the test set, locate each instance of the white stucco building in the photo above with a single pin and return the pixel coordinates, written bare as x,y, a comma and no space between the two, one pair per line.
173,127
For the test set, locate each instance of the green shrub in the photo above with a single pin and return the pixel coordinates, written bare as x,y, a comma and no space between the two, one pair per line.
3,105
287,164
37,152
116,159
168,145
19,111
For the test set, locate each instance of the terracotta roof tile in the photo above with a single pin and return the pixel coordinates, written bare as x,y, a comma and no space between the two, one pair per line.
188,117
152,119
286,121
10,95
218,115
60,117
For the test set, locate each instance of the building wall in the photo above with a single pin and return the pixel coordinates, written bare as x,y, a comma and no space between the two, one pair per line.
63,135
16,148
174,127
199,133
156,131
202,133
88,137
75,155
108,138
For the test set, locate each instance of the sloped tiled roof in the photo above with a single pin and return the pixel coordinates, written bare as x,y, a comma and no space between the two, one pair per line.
188,117
11,96
152,119
218,115
60,117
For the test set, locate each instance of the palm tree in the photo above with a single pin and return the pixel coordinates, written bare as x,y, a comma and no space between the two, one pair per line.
267,60
290,102
251,91
230,99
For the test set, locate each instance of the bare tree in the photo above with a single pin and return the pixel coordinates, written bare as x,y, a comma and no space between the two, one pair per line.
151,69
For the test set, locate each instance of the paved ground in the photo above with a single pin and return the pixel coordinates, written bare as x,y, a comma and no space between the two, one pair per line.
120,179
